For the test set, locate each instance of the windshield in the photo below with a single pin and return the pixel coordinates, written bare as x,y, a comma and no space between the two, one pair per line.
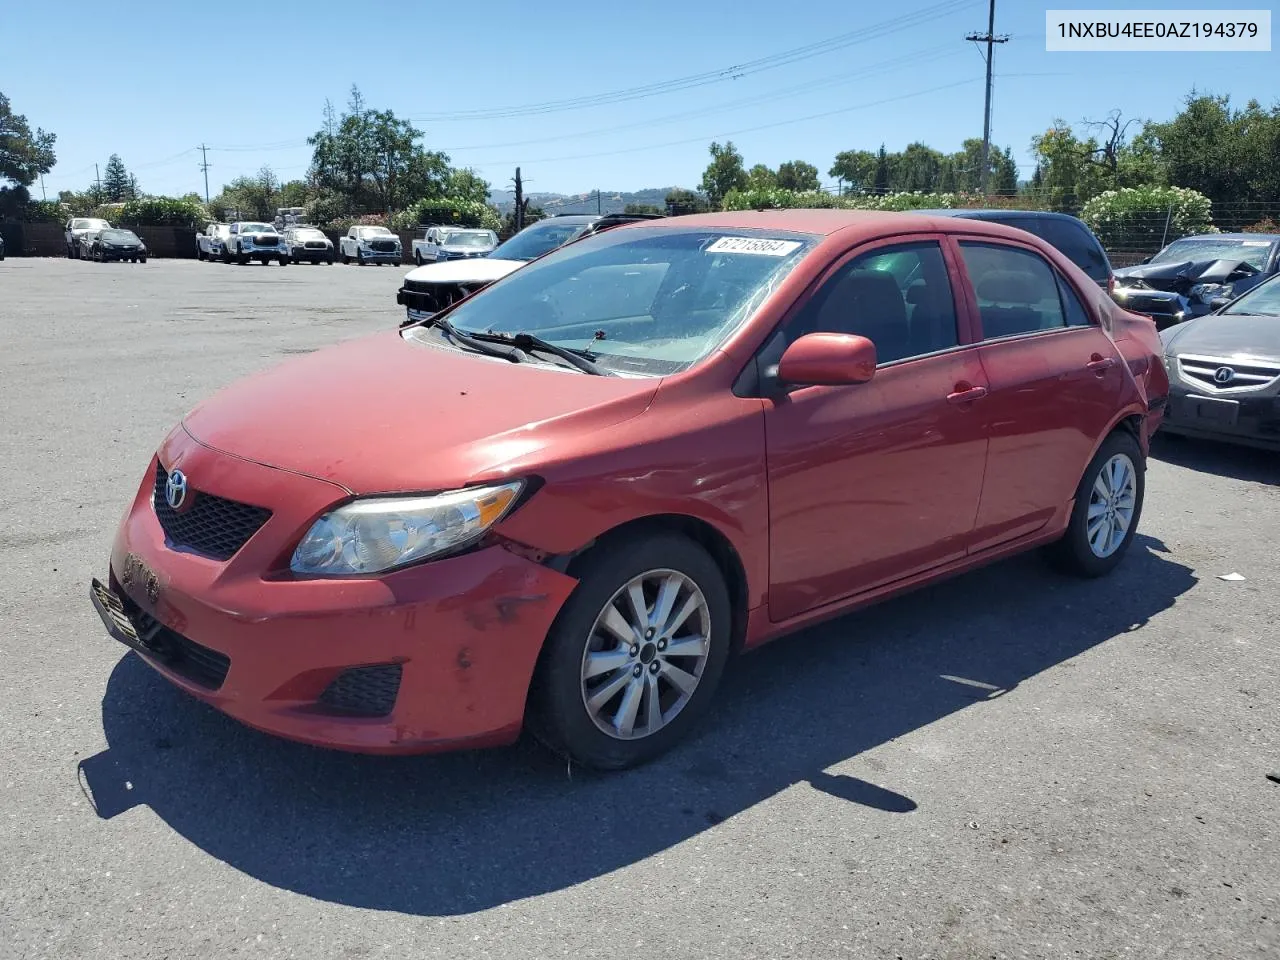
643,301
84,224
309,235
373,232
120,236
256,228
1262,300
532,242
467,238
1254,252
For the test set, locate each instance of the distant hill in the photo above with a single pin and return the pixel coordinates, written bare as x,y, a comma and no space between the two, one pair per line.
611,201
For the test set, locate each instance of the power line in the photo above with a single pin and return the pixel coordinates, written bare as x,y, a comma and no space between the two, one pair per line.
733,72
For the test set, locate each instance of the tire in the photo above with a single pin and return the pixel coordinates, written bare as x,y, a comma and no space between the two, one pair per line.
330,261
559,714
346,259
142,259
417,257
71,252
226,255
359,258
284,261
1077,553
200,254
96,255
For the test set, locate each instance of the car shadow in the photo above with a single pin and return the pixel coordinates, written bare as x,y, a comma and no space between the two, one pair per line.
1216,457
460,833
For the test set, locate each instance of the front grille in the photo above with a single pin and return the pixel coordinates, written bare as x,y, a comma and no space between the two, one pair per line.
191,661
213,526
264,241
434,297
364,691
1244,374
383,246
315,245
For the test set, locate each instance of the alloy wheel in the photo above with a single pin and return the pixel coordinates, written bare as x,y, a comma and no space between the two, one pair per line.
1112,501
646,654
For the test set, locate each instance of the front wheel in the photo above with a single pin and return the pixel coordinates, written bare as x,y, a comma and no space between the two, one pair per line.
634,657
1107,508
359,258
284,261
142,259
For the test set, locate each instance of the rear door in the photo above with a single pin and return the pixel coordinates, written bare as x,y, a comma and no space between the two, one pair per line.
1055,381
874,482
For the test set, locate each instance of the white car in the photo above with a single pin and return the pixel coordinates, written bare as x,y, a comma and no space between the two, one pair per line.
453,243
371,245
76,230
247,241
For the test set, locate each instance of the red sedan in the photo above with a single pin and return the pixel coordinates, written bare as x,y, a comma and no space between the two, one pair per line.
566,500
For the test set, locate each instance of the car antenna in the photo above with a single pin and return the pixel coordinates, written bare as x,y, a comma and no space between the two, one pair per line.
598,335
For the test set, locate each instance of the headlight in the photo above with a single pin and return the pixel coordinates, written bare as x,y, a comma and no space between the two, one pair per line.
378,534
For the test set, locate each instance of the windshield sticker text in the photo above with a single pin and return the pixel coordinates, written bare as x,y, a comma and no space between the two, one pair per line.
763,248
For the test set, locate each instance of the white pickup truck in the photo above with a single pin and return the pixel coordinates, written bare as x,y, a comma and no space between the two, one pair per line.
453,243
211,241
247,241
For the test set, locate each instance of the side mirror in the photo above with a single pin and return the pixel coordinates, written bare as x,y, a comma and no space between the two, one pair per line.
828,360
1217,303
1145,260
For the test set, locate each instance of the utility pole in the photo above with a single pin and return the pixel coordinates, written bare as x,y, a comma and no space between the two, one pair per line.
519,202
43,195
598,210
989,38
98,180
204,166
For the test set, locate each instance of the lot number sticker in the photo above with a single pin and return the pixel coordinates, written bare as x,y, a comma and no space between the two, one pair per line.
762,248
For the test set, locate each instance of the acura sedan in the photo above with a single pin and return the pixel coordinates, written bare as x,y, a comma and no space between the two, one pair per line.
1224,371
564,502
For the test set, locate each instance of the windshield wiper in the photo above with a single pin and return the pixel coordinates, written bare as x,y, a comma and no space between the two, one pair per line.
529,344
467,340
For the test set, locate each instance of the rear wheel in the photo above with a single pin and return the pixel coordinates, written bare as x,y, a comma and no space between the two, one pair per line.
633,660
1107,509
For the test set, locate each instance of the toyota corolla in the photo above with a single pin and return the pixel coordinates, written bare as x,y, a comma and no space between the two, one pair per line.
564,502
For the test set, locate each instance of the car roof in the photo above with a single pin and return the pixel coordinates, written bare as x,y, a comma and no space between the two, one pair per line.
985,213
824,222
1272,237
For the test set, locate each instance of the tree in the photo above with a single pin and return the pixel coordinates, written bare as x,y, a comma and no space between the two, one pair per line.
856,168
249,198
118,185
374,160
641,208
917,168
24,155
881,181
725,172
680,201
798,175
295,193
467,185
760,177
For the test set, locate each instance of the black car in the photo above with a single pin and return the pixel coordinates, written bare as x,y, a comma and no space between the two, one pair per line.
1068,234
1184,279
1224,371
1,246
114,244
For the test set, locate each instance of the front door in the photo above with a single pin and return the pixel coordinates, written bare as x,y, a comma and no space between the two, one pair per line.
874,482
1055,381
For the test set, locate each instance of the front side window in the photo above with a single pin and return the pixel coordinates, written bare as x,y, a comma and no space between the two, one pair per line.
1017,290
897,297
645,301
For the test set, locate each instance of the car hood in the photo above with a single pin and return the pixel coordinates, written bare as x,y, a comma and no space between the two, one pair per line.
1225,335
1205,271
471,270
382,414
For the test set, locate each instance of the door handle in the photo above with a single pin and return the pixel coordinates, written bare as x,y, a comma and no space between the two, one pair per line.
966,394
1099,363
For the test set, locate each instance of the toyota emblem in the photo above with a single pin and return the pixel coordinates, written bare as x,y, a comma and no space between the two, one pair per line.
175,489
1223,375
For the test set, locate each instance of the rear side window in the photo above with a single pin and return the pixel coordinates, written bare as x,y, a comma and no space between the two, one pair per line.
1017,291
1073,240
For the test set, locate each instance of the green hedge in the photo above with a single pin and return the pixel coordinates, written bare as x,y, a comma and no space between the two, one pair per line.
1147,216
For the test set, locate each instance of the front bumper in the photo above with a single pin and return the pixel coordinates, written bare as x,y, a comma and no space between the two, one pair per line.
310,254
1164,306
253,250
465,632
109,254
378,256
1250,419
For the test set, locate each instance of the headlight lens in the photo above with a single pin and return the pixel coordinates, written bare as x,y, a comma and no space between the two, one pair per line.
379,534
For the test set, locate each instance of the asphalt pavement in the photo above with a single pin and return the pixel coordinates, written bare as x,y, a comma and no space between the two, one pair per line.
1009,764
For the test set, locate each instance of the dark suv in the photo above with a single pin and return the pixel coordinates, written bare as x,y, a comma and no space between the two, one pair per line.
1067,233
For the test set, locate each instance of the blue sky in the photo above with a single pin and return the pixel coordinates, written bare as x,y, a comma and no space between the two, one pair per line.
251,81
